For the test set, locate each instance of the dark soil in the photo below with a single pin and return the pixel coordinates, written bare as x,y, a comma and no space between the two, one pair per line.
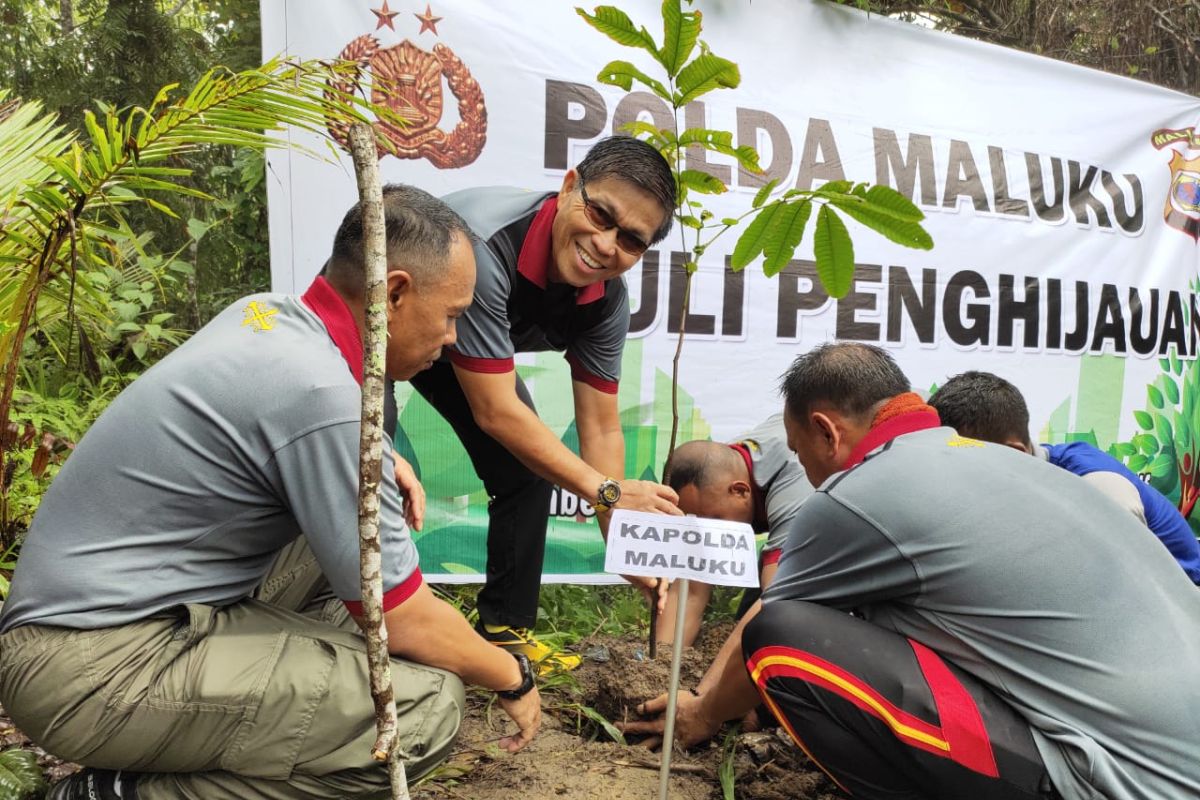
573,756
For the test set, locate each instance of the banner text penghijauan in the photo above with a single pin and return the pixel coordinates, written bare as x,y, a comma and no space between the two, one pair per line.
933,307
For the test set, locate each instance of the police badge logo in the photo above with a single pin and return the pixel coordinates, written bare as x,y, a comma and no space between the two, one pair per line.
1182,208
408,81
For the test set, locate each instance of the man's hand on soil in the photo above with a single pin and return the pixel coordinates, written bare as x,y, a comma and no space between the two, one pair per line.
691,725
412,492
526,711
648,496
654,590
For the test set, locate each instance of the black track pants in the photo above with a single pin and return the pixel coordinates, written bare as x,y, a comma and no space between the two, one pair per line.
517,511
885,716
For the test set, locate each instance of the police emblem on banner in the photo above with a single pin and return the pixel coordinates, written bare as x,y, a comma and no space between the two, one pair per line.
1182,208
408,80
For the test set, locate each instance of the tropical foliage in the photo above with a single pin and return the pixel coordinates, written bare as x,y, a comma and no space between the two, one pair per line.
20,776
72,268
70,54
1155,42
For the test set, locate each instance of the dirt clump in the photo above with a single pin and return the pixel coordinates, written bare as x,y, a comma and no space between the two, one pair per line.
618,674
557,764
573,756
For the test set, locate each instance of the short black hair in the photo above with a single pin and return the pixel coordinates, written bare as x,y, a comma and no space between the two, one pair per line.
983,406
852,377
638,163
699,463
420,230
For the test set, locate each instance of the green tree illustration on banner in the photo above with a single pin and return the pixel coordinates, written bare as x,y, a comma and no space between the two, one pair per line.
1166,447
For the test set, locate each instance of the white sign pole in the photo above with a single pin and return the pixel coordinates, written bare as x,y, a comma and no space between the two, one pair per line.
668,744
684,548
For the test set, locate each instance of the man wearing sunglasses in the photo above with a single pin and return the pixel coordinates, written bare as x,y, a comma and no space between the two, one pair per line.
549,278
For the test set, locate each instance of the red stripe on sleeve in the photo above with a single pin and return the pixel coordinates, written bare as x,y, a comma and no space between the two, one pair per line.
962,724
491,366
772,556
580,373
394,596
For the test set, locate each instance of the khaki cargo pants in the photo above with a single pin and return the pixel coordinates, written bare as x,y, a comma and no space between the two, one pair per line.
267,698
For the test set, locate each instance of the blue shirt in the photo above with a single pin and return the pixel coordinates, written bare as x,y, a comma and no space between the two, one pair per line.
1162,517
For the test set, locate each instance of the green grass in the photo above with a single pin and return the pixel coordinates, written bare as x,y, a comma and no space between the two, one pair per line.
568,613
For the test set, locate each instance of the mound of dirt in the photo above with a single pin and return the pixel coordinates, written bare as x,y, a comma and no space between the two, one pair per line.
573,757
556,765
618,674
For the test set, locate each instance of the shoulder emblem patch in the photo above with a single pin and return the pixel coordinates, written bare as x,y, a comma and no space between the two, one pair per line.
963,441
258,316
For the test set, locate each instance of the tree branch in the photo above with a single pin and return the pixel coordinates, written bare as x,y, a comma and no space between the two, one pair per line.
366,168
66,17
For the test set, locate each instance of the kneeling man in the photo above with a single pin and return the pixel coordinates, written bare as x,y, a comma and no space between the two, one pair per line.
147,635
1008,639
756,480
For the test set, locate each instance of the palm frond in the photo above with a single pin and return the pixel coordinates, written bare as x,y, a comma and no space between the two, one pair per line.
62,195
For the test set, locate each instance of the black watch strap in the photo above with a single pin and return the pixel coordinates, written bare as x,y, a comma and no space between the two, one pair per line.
526,680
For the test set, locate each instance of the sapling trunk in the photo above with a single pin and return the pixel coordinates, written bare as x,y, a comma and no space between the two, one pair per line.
370,192
683,313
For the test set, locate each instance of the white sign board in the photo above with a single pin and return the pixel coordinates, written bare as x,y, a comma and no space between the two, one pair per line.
661,546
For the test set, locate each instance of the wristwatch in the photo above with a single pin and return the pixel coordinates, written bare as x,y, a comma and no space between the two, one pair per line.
607,495
526,680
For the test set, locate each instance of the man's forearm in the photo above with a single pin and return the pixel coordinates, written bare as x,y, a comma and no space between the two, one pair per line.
428,630
524,435
605,451
726,691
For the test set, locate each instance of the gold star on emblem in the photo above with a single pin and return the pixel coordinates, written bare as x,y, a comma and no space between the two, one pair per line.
385,16
258,316
428,21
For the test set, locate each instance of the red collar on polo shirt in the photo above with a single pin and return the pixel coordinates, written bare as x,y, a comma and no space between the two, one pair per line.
761,522
535,257
332,310
904,413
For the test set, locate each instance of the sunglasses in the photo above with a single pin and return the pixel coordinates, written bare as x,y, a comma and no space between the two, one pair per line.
629,242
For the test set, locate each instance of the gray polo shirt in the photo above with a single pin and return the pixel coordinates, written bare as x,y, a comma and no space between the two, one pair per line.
201,470
516,309
1038,585
780,483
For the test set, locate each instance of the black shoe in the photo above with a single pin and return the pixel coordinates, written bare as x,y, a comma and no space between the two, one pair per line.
95,784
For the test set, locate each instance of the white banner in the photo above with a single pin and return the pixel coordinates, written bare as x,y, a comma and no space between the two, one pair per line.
1064,205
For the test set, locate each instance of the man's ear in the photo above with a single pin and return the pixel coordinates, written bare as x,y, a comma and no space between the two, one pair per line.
570,181
830,434
399,287
1017,444
739,488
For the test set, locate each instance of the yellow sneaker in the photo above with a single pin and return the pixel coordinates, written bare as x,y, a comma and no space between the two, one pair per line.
522,640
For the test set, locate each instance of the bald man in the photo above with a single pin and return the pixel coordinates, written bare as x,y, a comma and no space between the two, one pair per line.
755,479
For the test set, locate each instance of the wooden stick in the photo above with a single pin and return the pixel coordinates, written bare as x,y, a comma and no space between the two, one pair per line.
653,649
682,769
664,776
370,193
